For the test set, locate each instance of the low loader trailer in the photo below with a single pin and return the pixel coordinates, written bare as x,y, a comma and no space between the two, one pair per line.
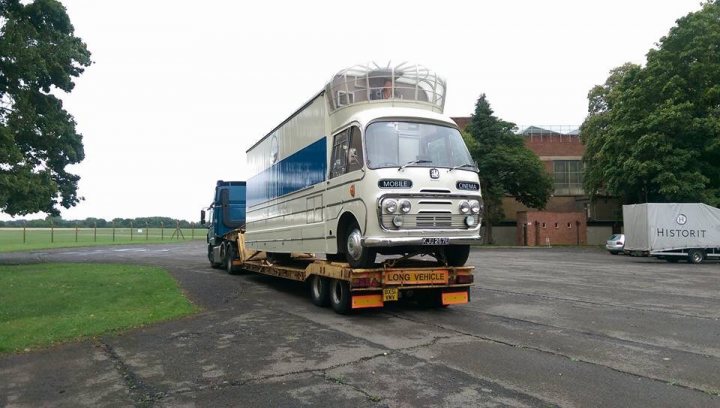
331,283
344,288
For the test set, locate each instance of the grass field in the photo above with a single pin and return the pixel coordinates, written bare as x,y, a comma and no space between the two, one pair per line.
42,304
14,239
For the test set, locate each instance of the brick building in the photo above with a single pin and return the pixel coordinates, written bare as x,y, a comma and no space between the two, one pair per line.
560,150
537,228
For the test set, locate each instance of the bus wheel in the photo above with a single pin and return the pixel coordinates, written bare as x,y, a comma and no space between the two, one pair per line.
335,257
279,257
357,255
320,290
340,297
457,255
696,256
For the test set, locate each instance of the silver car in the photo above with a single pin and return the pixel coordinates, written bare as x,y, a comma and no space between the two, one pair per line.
615,243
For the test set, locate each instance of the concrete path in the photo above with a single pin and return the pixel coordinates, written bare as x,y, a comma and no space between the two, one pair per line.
545,327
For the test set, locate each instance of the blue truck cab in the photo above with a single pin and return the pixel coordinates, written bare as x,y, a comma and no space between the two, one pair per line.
225,214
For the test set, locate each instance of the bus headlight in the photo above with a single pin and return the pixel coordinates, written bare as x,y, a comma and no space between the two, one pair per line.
405,206
389,205
464,207
475,206
398,221
470,220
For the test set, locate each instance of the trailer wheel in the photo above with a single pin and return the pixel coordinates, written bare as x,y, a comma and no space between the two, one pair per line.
213,264
696,256
357,255
457,255
320,290
430,298
340,297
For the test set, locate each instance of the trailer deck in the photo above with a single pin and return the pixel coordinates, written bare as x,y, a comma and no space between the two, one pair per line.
372,287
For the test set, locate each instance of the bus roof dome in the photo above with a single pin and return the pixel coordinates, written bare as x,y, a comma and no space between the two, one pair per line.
409,84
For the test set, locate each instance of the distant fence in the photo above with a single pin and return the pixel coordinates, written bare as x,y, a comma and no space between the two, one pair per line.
96,234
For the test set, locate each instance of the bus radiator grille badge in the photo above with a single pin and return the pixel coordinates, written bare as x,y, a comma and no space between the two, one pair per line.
434,173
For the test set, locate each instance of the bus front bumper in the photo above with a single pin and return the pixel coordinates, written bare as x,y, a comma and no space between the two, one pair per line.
419,241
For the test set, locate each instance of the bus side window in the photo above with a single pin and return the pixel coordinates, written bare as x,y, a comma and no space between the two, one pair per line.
355,153
347,152
338,160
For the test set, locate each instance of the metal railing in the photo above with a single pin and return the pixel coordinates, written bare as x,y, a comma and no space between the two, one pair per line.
540,132
11,236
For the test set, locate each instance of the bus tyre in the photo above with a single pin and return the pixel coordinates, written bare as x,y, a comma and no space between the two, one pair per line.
335,257
320,290
357,255
696,256
457,255
279,257
340,297
213,264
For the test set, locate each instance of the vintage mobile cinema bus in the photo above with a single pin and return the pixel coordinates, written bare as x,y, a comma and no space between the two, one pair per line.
369,165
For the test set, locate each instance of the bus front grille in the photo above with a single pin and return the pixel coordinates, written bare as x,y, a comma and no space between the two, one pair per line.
426,221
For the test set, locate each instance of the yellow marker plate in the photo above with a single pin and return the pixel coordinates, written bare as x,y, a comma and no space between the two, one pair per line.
390,295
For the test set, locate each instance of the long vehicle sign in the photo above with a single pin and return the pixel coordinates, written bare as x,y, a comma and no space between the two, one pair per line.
429,277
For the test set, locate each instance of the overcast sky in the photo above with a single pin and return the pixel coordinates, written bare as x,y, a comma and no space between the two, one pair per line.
180,89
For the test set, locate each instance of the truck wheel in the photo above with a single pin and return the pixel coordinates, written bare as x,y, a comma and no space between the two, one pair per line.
457,255
213,264
229,256
340,297
696,256
357,255
320,290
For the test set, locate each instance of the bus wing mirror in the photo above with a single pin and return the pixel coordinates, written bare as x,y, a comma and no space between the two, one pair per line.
202,217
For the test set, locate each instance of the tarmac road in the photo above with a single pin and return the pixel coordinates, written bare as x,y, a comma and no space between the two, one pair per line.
545,327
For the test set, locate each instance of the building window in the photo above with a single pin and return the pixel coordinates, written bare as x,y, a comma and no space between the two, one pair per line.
568,177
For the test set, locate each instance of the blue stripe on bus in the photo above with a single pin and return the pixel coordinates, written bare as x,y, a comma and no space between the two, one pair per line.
303,168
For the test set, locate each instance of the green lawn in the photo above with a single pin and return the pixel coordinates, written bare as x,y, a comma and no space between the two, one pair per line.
41,304
14,239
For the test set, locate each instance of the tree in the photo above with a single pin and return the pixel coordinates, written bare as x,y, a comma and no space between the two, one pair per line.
505,165
39,54
652,133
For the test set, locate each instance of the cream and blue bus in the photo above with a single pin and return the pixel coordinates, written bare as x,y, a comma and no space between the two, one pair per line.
369,165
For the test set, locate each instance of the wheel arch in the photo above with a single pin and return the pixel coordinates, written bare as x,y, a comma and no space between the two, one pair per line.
344,221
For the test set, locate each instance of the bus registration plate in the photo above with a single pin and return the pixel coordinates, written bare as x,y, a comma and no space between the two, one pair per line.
435,241
390,294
